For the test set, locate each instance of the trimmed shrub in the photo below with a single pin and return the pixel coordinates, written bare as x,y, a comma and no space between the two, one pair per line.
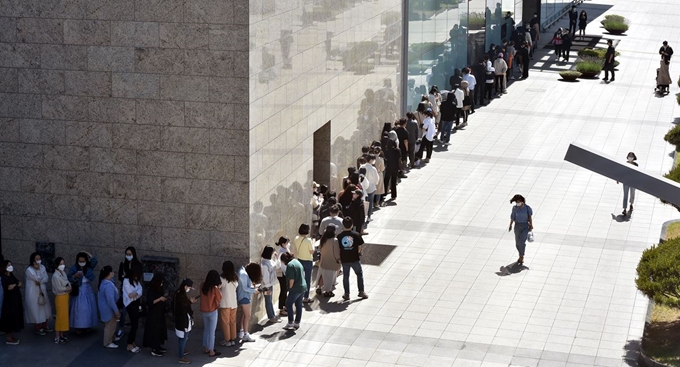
658,273
615,25
614,17
570,74
596,52
673,135
589,66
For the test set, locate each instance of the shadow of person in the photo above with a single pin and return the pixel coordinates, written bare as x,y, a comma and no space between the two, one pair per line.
512,268
621,218
279,335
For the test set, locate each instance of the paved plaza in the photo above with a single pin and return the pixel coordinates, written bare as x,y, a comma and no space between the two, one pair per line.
439,299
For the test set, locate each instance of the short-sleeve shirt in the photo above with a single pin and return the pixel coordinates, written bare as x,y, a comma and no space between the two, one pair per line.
303,246
349,246
296,272
521,214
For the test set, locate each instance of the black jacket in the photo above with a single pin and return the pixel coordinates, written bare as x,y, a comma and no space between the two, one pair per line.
393,156
155,331
448,108
573,16
181,309
355,210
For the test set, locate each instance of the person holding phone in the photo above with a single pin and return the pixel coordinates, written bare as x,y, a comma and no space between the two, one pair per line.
83,312
155,333
12,319
184,321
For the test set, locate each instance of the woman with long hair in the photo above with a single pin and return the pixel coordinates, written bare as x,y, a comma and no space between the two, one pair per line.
248,277
184,321
155,333
268,262
108,305
61,288
38,309
522,217
210,303
132,295
83,312
12,318
131,262
329,262
228,304
304,250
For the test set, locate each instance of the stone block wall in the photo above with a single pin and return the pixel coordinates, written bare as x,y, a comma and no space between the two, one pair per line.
125,123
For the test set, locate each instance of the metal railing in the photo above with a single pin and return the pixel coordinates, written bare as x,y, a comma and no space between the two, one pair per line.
553,18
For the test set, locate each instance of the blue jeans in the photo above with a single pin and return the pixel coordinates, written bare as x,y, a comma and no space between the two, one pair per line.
356,266
446,131
307,265
521,233
209,326
181,345
294,298
268,305
370,199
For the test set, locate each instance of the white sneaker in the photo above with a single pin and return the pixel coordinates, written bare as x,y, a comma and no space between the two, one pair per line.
289,326
240,334
247,338
225,343
112,346
418,162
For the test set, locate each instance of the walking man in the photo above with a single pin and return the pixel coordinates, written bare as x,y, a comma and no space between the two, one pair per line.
573,20
350,243
609,62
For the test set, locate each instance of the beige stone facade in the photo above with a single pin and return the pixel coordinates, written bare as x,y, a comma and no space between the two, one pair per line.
183,127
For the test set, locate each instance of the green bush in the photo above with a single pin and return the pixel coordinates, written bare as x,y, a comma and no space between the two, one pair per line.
673,136
570,74
615,25
595,52
614,17
658,273
589,66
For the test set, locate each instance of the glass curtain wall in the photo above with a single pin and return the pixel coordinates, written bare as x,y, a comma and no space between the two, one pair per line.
437,45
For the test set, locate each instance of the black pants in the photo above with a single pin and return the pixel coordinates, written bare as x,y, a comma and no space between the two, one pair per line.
472,101
391,183
425,144
558,51
572,28
412,151
607,68
283,295
461,114
489,90
133,312
565,52
478,96
525,70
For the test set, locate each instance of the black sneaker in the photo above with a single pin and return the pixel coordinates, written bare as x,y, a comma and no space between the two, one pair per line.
41,332
156,353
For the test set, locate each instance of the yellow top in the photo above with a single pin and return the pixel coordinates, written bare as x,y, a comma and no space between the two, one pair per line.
303,248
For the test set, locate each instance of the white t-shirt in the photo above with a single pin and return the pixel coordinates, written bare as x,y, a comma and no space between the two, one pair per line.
129,288
430,130
372,176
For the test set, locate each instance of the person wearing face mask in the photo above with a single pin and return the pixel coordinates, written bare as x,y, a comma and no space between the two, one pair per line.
108,305
12,319
38,309
521,216
184,321
61,288
83,312
627,189
126,266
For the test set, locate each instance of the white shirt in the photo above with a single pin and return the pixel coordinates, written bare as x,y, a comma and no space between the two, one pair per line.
472,81
460,95
430,130
129,288
372,176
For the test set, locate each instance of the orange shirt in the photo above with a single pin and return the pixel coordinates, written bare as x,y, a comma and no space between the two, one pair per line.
211,301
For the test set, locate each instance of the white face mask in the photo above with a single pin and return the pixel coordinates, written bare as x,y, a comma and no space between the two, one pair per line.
38,262
187,289
10,268
82,264
630,159
61,267
128,257
518,204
